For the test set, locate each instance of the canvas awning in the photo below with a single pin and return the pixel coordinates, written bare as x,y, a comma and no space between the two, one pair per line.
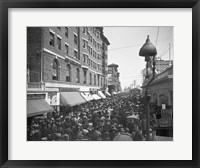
71,99
101,94
96,97
108,93
85,96
37,107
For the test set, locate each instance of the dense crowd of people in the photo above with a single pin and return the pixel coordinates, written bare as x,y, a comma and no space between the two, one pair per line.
116,118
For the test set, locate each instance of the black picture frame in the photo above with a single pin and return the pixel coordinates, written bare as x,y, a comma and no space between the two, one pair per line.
4,97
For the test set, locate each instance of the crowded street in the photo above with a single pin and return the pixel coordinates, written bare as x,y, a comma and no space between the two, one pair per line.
84,85
116,118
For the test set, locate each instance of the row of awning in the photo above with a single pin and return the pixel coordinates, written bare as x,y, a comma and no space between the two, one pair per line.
76,98
40,106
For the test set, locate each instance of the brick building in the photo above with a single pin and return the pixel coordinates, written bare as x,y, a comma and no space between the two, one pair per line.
66,59
114,84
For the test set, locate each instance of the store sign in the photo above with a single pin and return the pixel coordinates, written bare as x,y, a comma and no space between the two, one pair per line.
53,98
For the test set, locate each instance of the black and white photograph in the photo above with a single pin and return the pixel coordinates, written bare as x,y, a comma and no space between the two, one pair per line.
109,83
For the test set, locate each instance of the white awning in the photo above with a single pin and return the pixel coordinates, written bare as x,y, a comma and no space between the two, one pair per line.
87,96
96,97
108,93
101,94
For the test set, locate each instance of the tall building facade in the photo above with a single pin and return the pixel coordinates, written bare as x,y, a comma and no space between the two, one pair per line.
66,59
114,84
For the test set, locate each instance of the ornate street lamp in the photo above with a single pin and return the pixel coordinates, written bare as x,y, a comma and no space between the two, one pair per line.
148,51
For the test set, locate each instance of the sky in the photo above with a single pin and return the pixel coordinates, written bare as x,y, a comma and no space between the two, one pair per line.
125,43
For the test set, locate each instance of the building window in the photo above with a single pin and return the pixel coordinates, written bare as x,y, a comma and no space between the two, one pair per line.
58,43
52,40
77,75
90,78
55,75
98,79
75,39
91,63
88,47
84,58
87,59
84,30
97,34
84,43
85,76
91,51
66,31
68,73
59,28
94,79
75,54
66,49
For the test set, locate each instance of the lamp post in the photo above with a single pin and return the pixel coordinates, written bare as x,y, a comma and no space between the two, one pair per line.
148,51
